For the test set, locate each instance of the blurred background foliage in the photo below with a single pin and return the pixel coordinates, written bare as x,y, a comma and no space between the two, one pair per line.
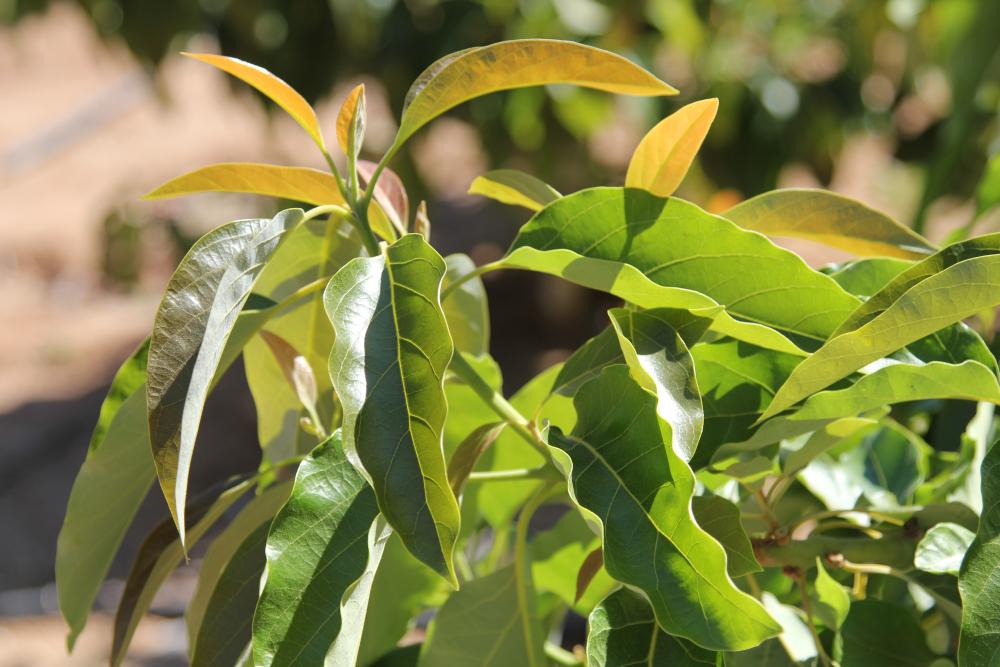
796,78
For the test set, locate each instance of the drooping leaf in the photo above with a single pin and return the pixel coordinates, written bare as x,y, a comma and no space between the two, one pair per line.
468,452
942,548
959,291
831,602
161,552
880,634
979,577
466,309
351,122
660,362
193,323
592,566
623,631
557,556
826,217
486,623
515,188
721,519
271,86
303,184
630,481
317,547
388,364
461,76
665,154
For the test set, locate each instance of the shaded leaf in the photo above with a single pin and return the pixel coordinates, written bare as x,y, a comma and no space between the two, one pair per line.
303,184
623,631
558,559
979,577
388,364
832,219
880,634
513,187
665,154
866,276
468,452
721,519
942,548
466,308
631,482
591,567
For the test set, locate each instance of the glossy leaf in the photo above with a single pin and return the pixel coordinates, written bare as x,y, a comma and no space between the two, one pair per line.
947,297
388,364
270,86
665,154
832,219
466,309
675,244
721,519
660,362
831,601
351,122
193,323
303,184
461,76
483,623
631,482
979,577
880,634
623,631
942,548
513,187
317,547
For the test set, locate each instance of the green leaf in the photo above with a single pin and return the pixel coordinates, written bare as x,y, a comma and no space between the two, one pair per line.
272,87
388,364
831,602
623,631
588,361
513,187
482,625
988,191
461,76
161,552
820,441
467,454
954,344
771,653
880,634
795,635
351,123
557,556
866,276
979,578
632,484
838,221
947,297
193,323
310,186
466,308
721,519
660,362
942,548
317,548
665,154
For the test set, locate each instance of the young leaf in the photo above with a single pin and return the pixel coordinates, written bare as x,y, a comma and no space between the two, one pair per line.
388,364
466,308
942,548
665,154
316,549
675,244
831,601
303,184
193,323
390,194
592,565
721,519
161,552
633,484
468,452
959,291
880,634
483,624
661,363
515,188
979,577
623,631
351,123
272,87
462,76
421,222
296,369
558,558
826,217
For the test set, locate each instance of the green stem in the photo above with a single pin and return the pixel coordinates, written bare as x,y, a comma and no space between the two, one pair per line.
828,514
947,606
543,472
521,574
810,621
480,270
341,185
894,549
561,656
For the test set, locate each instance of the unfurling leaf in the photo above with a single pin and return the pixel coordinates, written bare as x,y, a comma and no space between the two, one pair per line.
303,184
388,364
513,187
665,154
351,123
421,222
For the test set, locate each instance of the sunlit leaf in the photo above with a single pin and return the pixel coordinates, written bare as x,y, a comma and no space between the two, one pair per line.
390,194
559,554
831,602
513,187
303,184
979,578
388,364
351,122
665,154
942,548
721,519
832,219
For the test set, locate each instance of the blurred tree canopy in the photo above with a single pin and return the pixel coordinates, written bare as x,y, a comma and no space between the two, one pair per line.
795,77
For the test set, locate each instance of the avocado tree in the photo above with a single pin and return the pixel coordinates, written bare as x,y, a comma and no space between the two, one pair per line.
747,465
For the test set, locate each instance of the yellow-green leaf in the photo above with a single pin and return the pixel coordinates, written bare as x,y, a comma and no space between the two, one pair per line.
666,152
302,184
351,122
830,219
513,187
520,63
271,86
